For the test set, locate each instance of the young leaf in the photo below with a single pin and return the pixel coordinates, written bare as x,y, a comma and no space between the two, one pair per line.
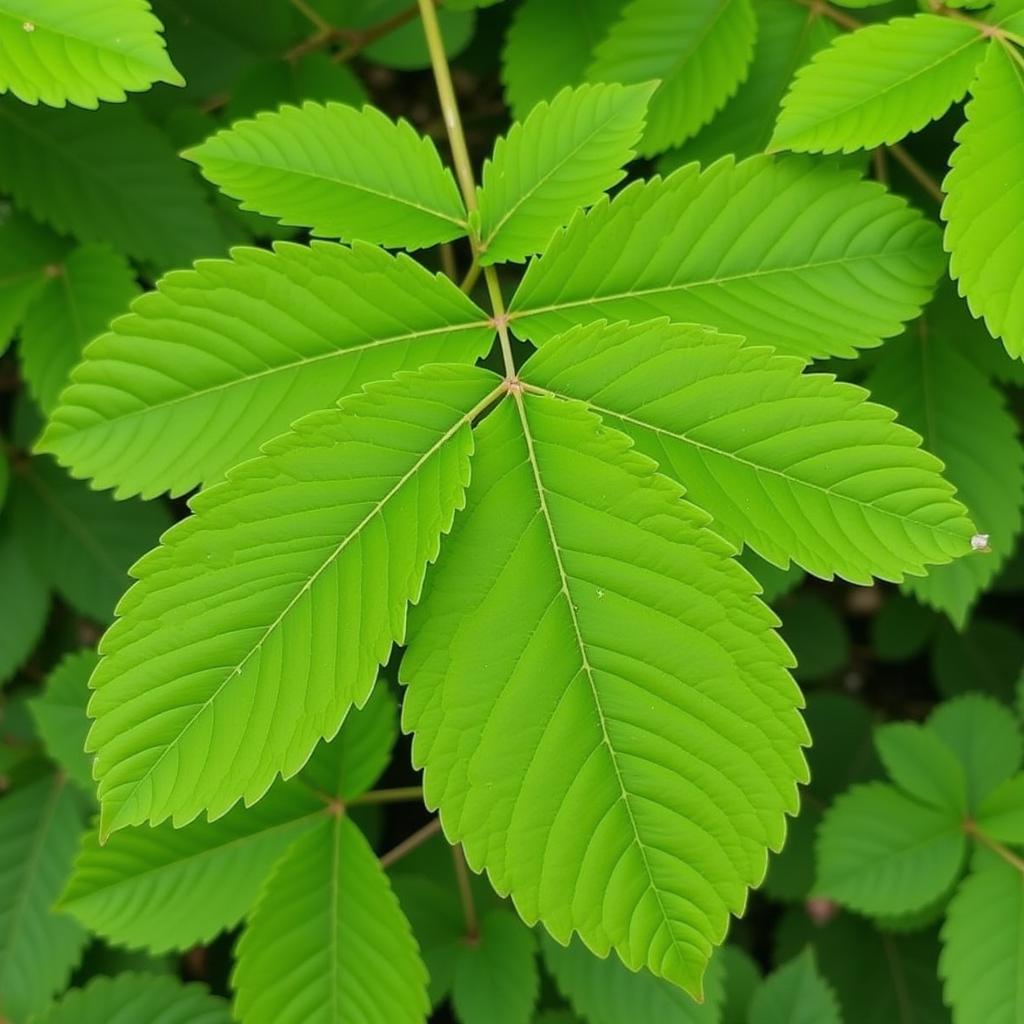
327,942
983,947
564,156
92,286
629,716
923,766
171,888
881,852
29,255
223,357
699,50
807,259
963,420
343,173
39,826
496,979
795,994
137,997
795,465
59,713
985,738
27,604
984,207
546,51
282,593
603,991
81,53
877,84
80,541
106,176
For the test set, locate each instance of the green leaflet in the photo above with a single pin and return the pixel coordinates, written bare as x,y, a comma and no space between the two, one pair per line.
788,35
54,52
699,50
59,713
172,888
29,254
79,541
106,176
222,357
877,84
342,172
1001,814
984,207
24,616
881,852
795,994
282,593
564,156
39,826
795,465
92,286
546,51
807,259
137,998
603,991
982,962
963,420
616,625
327,943
923,766
496,980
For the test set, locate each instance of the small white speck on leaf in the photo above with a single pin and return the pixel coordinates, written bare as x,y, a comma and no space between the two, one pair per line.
979,542
29,26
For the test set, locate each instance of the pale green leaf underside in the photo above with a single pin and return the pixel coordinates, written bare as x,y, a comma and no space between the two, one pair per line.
962,419
622,750
982,961
564,156
39,826
795,465
92,286
169,888
878,84
59,713
795,994
699,50
263,617
222,357
327,942
809,260
604,991
137,998
342,172
984,207
55,52
881,852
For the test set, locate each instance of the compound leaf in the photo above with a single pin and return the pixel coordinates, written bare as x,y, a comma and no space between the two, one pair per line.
810,260
39,826
327,942
92,286
55,52
982,960
630,716
984,207
699,50
962,418
881,852
878,84
564,156
795,465
222,357
172,888
133,998
281,594
795,994
342,172
106,176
